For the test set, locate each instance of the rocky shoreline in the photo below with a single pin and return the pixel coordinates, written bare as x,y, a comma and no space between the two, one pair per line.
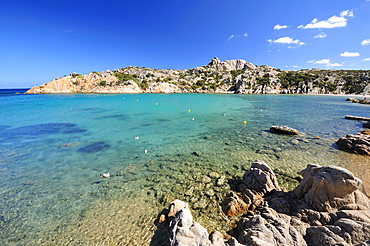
326,208
230,76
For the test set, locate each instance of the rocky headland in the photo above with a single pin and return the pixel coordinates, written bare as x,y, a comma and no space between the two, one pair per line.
326,208
230,76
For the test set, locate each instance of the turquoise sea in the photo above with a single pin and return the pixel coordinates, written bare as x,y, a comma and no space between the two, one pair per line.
157,148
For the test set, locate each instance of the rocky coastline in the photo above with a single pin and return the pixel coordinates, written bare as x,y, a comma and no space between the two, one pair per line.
230,76
326,208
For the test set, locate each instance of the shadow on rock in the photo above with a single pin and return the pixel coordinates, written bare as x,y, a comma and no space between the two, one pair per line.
326,208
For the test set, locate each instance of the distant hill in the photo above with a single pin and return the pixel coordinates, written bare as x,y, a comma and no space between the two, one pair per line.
230,76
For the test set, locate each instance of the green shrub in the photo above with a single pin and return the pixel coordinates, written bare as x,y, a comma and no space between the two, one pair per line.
122,77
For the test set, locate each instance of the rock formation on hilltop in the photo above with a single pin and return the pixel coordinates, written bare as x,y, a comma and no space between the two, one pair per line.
230,76
326,208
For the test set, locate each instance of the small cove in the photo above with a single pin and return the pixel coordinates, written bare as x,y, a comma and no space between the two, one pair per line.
53,148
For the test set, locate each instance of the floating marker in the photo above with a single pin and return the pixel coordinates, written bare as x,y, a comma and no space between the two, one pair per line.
123,98
105,175
137,100
136,137
244,122
145,151
156,103
193,119
223,114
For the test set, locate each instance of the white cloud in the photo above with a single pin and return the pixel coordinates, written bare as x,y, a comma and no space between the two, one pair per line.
332,22
333,65
323,61
365,41
237,36
286,40
366,59
326,62
350,54
348,13
320,35
295,66
278,27
232,36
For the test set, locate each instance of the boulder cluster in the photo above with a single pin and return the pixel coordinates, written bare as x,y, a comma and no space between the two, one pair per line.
326,208
358,143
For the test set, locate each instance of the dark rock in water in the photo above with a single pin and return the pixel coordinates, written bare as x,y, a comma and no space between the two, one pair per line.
327,208
196,153
362,101
351,117
366,124
112,116
94,147
350,99
283,130
356,143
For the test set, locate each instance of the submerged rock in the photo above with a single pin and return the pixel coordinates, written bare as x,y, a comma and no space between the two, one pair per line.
356,143
283,130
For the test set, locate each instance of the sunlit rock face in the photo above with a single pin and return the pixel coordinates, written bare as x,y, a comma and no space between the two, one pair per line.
326,208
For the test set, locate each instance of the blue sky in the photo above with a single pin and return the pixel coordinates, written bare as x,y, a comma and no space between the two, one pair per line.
42,40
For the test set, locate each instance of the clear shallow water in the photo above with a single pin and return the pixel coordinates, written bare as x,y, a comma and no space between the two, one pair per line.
53,148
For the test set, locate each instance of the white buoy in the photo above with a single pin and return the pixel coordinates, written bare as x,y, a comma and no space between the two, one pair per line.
145,151
193,119
136,137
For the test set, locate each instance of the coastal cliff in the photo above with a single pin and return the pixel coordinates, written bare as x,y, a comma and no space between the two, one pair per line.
230,76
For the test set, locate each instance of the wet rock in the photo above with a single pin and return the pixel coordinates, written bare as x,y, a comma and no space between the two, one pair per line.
366,124
209,193
214,175
206,180
283,130
221,181
295,142
69,145
355,143
234,205
94,147
196,153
